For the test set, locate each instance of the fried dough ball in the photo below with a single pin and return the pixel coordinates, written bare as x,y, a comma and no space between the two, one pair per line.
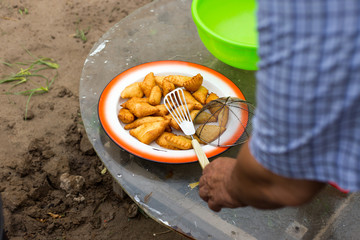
134,100
201,94
194,83
149,132
179,141
147,84
177,80
142,109
204,117
162,142
191,100
143,120
155,95
125,116
209,133
133,90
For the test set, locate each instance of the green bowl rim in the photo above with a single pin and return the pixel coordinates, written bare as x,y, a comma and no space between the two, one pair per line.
198,22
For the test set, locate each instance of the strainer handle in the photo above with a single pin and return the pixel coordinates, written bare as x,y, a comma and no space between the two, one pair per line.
203,160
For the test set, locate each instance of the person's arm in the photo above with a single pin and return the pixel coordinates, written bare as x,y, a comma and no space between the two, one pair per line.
229,182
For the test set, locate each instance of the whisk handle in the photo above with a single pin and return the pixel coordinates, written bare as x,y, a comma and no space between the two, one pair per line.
203,160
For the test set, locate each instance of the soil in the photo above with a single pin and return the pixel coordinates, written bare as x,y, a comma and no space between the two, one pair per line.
53,185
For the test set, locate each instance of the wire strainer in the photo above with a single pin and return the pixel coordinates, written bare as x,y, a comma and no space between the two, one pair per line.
225,122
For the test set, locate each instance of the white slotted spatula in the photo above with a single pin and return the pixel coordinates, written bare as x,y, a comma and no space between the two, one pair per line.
175,103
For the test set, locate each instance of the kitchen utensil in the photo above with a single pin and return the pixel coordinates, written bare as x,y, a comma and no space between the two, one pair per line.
175,103
234,114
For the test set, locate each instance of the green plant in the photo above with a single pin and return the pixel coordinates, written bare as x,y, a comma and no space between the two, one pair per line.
24,75
23,11
81,33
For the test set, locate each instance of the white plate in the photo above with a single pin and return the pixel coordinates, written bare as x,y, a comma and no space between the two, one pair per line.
110,101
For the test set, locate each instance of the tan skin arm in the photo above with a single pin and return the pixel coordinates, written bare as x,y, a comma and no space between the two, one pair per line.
231,183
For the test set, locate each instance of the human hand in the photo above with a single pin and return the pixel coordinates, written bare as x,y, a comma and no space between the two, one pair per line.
232,183
215,184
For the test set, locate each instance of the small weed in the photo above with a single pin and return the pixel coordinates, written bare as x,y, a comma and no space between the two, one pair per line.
79,121
24,75
23,10
81,33
7,64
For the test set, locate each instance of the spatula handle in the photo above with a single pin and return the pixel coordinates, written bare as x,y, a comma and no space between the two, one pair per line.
203,160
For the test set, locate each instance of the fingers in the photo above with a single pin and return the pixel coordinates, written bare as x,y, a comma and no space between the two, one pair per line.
214,206
214,183
203,189
206,195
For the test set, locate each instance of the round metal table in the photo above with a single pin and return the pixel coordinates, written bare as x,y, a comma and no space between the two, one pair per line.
164,30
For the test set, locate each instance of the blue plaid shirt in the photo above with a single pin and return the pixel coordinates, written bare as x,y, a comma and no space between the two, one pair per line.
307,123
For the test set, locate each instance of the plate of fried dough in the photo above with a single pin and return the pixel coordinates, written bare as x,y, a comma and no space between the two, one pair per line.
132,112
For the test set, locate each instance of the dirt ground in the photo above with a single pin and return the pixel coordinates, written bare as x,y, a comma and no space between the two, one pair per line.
53,185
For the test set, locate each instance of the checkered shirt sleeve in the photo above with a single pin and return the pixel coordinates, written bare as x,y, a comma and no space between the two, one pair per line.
307,123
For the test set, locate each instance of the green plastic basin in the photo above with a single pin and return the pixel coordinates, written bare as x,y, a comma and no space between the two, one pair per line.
227,28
